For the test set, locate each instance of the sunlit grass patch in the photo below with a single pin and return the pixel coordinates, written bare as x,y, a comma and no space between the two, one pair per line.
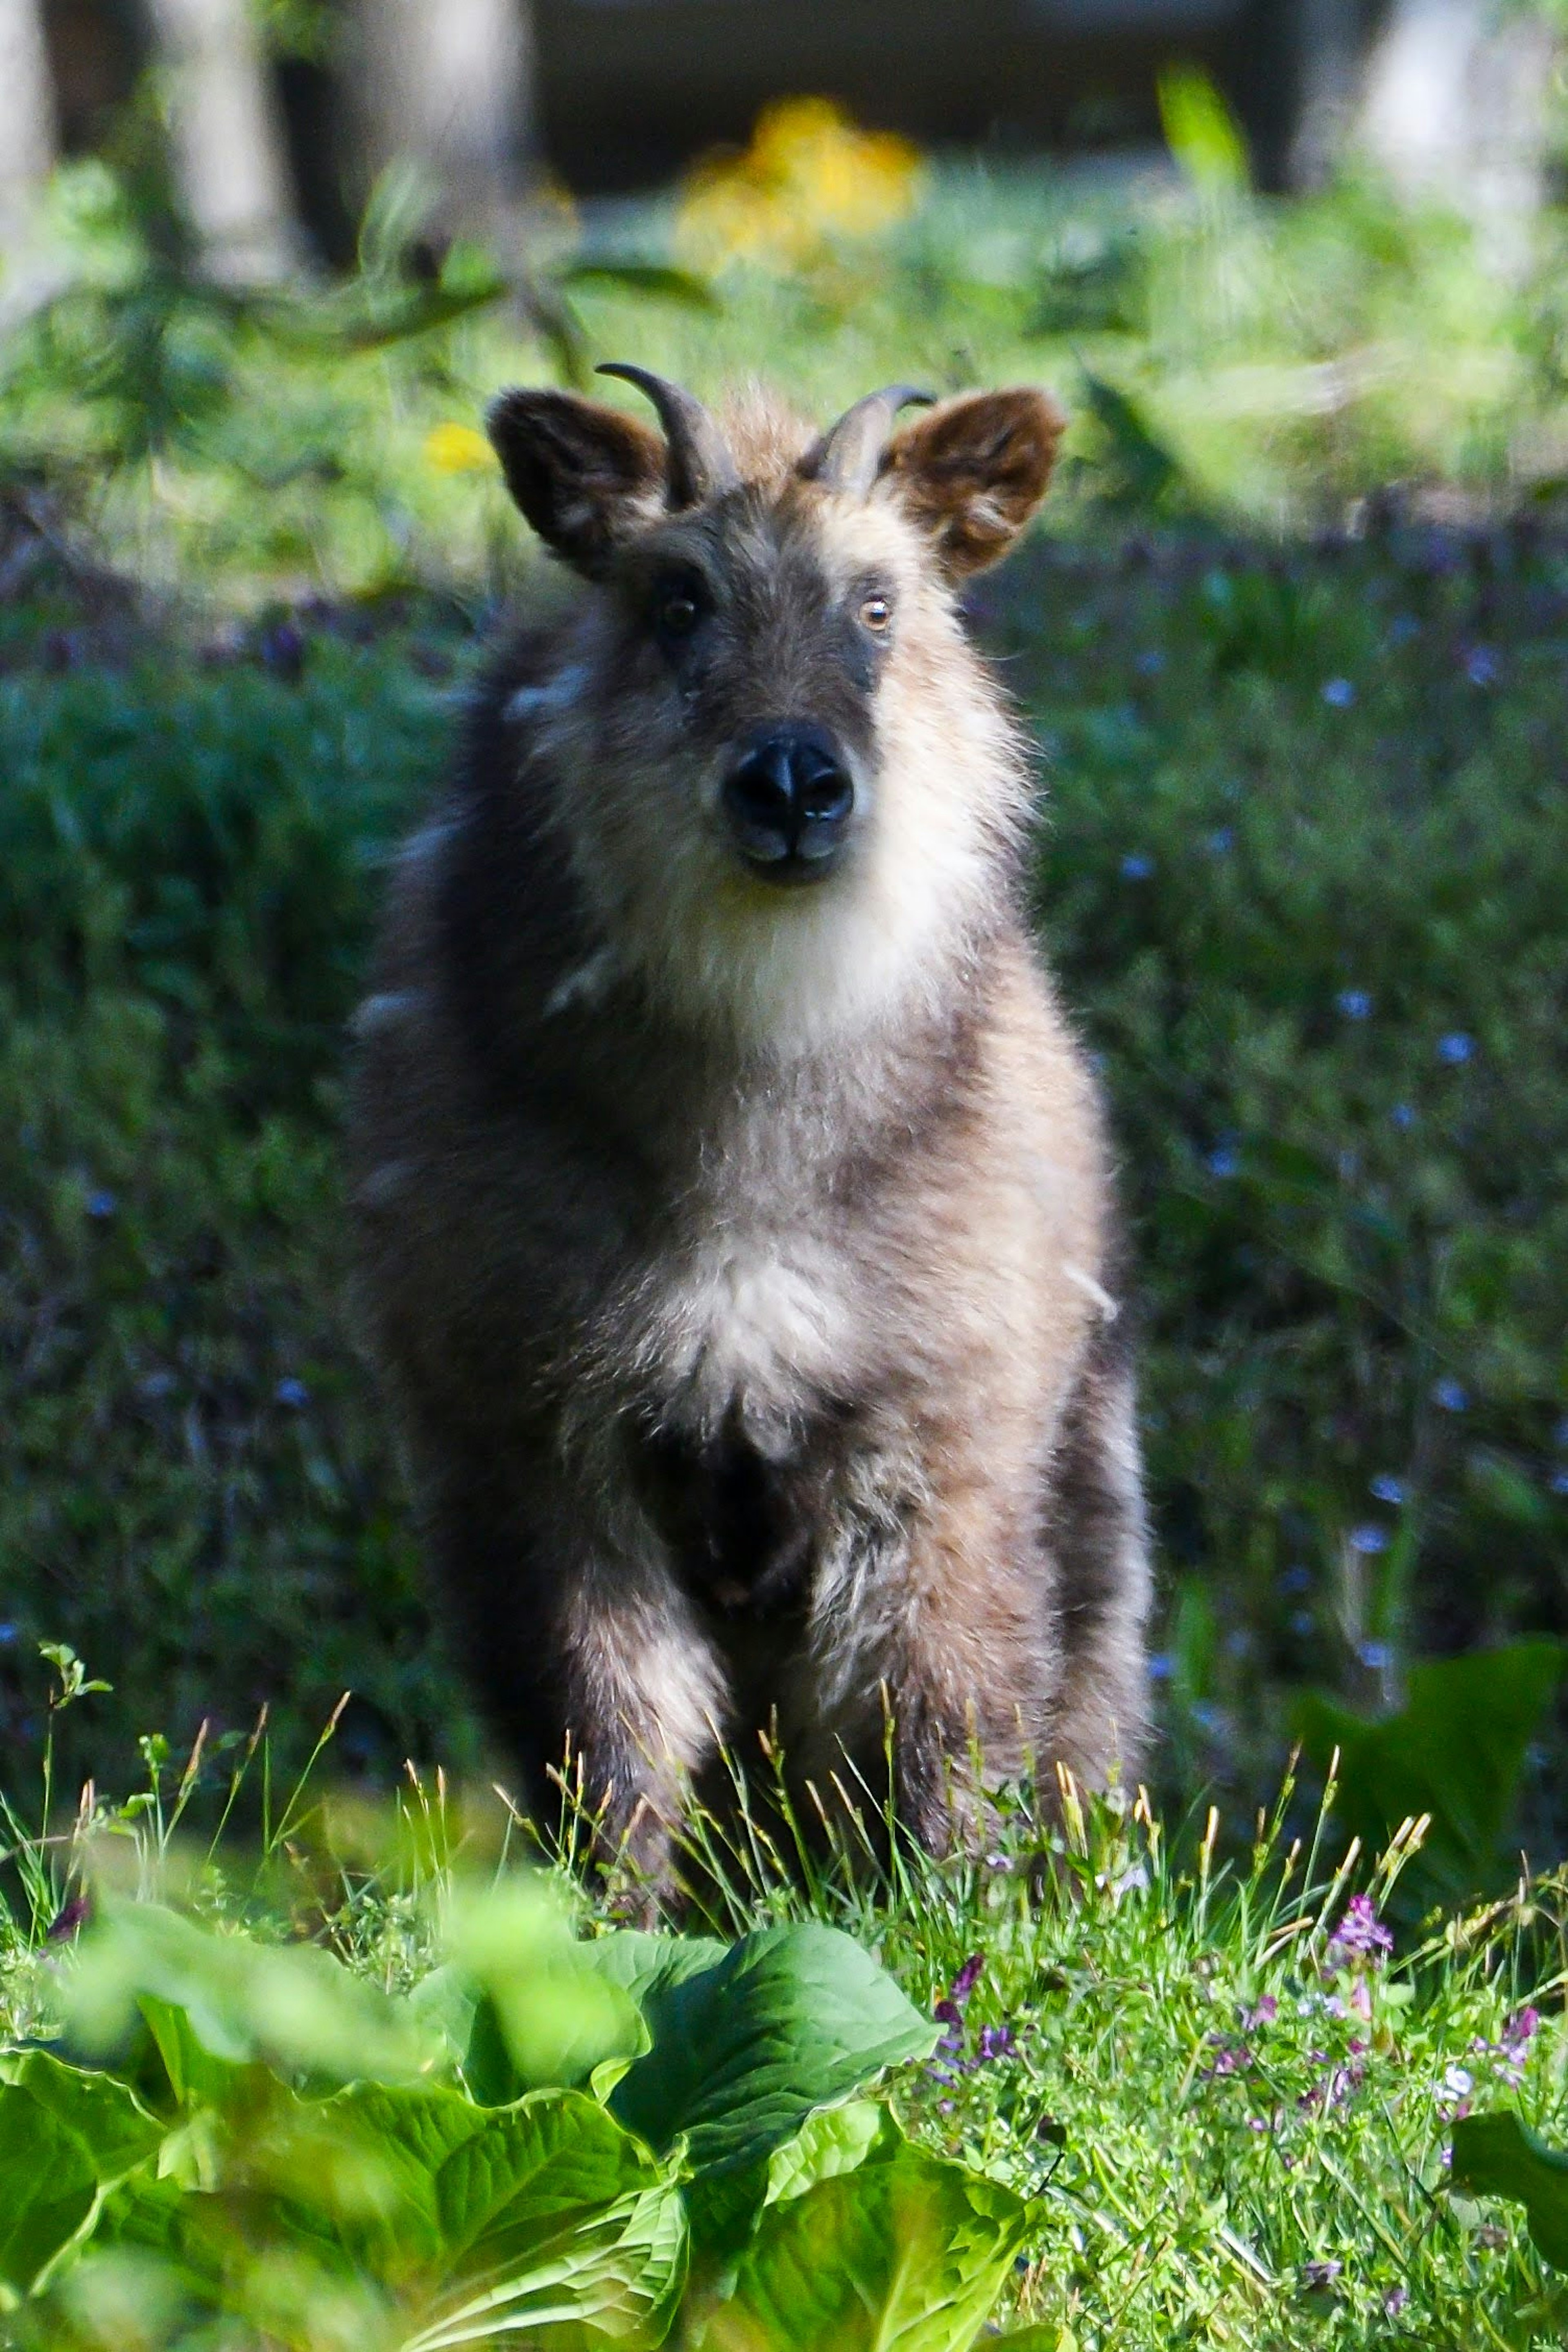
1220,2096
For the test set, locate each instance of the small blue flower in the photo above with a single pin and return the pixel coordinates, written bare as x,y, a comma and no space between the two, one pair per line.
1296,1579
1375,1655
292,1392
1136,867
1401,629
1208,1718
1220,843
1456,1046
1404,1117
1558,1482
1238,1643
1481,666
1448,1394
1560,1435
9,1632
1369,1539
101,1205
1354,1003
1223,1160
1160,1663
1301,1623
1388,1489
1338,694
1150,663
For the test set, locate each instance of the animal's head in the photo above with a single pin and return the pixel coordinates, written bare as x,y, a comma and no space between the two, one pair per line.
781,741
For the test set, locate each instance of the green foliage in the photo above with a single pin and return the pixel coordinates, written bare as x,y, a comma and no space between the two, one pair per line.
1293,874
1453,1752
1317,942
906,2248
1287,359
746,2044
237,2143
1201,133
1167,2099
1495,2156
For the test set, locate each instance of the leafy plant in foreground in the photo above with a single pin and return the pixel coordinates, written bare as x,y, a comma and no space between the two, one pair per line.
549,2140
1496,2156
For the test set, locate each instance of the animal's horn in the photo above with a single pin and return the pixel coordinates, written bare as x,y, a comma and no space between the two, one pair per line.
848,453
699,459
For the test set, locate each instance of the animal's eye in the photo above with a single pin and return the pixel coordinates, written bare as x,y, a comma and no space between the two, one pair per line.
678,606
877,614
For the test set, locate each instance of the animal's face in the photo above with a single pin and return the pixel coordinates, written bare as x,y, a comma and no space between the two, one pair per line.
776,731
756,652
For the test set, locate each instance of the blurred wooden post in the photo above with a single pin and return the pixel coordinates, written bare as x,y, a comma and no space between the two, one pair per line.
228,153
26,107
1453,110
448,85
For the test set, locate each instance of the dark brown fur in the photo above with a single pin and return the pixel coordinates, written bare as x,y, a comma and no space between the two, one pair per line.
736,1255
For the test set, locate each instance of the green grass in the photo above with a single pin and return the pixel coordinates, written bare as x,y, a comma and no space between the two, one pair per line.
1230,2107
1305,851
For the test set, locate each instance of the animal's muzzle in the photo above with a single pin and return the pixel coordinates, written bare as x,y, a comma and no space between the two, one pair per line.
788,800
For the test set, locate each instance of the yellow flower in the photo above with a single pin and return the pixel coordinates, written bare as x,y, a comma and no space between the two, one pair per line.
458,450
808,178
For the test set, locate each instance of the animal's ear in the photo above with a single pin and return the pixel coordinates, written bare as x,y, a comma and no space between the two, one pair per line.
584,475
973,471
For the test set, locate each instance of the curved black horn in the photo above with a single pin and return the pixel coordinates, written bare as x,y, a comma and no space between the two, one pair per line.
699,459
847,455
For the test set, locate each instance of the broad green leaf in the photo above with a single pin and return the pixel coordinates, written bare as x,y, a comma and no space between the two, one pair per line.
1202,132
649,1968
790,2018
556,2226
1456,1750
192,2076
114,2127
1496,2156
49,2189
544,2223
650,278
833,2141
521,2005
401,2138
293,2007
152,2212
910,2252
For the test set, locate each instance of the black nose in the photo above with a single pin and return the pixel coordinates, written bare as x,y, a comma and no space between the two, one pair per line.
788,799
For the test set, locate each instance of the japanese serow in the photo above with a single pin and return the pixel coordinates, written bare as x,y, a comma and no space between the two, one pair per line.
733,1201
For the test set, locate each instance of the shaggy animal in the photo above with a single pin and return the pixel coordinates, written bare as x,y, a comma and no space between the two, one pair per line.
732,1195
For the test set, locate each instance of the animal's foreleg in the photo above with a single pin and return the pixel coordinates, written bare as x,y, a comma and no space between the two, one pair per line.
644,1701
1103,1577
935,1643
587,1655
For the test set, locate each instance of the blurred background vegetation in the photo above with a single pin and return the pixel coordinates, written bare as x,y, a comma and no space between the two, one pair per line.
1293,635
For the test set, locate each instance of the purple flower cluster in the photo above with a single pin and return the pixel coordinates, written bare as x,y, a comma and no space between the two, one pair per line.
1507,2056
949,2061
1360,1937
1235,2057
1335,2083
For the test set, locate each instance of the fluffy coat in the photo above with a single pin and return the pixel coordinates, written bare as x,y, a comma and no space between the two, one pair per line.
739,1257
